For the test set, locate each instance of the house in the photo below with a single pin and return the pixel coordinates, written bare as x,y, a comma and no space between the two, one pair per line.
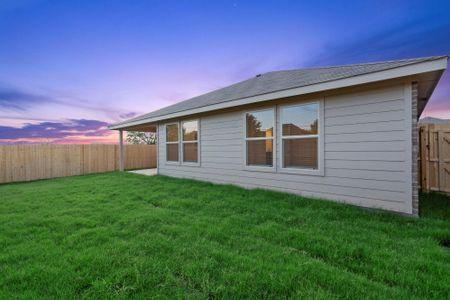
345,133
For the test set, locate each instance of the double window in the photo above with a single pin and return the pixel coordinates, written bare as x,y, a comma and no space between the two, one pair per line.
297,138
188,152
290,132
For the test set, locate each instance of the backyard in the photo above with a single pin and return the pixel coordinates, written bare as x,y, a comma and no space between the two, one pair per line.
127,235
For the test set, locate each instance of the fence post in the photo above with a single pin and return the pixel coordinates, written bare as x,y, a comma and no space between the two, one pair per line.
427,157
423,157
440,150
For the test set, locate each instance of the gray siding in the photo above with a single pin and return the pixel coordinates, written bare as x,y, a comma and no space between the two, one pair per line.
366,153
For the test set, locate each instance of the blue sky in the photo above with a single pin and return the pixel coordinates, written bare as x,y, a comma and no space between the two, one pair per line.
78,63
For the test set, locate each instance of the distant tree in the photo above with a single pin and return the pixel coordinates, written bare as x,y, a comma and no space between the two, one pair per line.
135,137
254,126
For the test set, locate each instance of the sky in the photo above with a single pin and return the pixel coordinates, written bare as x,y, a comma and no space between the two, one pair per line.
70,68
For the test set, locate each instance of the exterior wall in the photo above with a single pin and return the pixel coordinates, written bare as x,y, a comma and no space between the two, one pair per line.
367,152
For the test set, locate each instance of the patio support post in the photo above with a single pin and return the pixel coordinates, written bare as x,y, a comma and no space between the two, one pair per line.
121,156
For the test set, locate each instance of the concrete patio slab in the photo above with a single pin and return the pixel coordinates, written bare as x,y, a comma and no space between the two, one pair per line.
146,172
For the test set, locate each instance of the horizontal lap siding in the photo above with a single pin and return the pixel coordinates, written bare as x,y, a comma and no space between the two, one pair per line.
365,153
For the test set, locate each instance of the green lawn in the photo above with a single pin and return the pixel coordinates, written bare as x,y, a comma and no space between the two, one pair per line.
126,235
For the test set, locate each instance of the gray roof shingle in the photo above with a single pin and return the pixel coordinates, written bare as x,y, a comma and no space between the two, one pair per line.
277,81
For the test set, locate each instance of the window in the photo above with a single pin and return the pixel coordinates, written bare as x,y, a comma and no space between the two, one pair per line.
172,142
259,138
190,141
300,135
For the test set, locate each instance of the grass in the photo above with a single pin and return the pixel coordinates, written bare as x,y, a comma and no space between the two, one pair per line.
435,205
125,235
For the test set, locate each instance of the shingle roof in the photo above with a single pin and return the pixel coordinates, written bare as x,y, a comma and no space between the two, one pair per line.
278,81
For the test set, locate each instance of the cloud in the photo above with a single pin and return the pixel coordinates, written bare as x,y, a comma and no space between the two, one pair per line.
19,100
20,103
127,115
413,39
56,130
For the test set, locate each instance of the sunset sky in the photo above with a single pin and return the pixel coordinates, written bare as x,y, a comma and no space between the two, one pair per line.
68,68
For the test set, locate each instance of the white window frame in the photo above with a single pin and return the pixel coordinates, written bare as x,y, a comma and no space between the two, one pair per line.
172,162
320,141
273,138
187,142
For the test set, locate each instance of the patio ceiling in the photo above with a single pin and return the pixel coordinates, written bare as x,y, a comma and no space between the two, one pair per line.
142,128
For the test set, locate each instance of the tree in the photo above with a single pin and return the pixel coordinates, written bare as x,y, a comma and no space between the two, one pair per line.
135,137
254,126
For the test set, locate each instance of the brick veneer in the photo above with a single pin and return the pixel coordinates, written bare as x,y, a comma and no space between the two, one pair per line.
415,150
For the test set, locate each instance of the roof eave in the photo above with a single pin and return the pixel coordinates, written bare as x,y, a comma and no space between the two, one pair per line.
403,71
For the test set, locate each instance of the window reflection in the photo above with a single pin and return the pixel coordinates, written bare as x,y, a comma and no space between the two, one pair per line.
190,131
300,126
172,133
300,120
259,129
259,123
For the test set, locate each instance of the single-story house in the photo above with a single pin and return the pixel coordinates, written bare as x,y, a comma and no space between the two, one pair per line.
345,133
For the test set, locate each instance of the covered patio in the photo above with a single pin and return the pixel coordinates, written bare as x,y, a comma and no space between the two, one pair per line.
152,128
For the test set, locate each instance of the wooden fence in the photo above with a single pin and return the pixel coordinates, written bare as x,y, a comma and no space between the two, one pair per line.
434,157
31,162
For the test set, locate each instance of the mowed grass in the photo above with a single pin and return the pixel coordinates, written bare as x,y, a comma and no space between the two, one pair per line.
125,235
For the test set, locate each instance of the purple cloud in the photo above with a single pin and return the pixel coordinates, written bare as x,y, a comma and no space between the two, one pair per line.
56,130
17,100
